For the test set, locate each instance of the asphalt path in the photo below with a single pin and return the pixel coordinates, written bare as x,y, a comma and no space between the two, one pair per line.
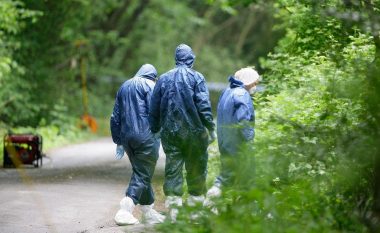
78,189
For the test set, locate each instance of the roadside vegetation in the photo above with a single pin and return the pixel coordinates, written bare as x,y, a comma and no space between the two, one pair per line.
313,165
315,162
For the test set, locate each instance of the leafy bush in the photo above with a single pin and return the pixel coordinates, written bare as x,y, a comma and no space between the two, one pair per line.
311,156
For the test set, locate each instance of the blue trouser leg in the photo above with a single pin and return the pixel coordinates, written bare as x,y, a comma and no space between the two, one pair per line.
143,158
196,167
231,160
173,185
226,174
191,153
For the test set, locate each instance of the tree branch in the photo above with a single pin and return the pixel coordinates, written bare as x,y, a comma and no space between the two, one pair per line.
203,31
244,33
125,32
125,28
376,39
115,16
132,20
8,101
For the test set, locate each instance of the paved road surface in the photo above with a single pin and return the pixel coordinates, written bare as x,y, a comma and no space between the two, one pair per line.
78,189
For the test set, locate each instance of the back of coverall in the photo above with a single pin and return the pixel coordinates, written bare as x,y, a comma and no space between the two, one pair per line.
181,108
130,128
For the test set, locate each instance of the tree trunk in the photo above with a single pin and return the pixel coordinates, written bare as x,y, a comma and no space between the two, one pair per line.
245,31
374,99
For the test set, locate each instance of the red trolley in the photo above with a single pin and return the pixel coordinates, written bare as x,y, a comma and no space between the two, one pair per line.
22,149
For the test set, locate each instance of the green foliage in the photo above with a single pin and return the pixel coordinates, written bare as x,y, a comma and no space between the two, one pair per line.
310,131
317,121
314,150
113,39
12,20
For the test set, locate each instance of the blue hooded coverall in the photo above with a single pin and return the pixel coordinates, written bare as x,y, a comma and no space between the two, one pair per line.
181,107
130,128
235,117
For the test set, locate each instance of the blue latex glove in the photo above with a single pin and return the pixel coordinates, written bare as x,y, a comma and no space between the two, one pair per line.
212,137
119,152
157,135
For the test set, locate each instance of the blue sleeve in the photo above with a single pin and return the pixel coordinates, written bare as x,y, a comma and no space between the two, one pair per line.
115,122
245,115
202,102
148,97
154,108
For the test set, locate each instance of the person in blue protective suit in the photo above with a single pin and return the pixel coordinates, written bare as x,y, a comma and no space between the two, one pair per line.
181,110
131,132
235,118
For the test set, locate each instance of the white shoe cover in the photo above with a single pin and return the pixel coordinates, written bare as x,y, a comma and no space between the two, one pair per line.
194,200
124,215
214,191
211,205
150,215
172,203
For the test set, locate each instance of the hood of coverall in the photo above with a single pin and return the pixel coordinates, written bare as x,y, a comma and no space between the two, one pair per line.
184,55
148,71
235,83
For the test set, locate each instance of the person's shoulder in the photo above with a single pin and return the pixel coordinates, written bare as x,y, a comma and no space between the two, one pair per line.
240,91
123,88
240,94
146,82
166,75
135,81
197,76
226,91
169,72
124,84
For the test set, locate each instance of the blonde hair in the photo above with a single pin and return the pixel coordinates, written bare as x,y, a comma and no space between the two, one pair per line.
247,76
